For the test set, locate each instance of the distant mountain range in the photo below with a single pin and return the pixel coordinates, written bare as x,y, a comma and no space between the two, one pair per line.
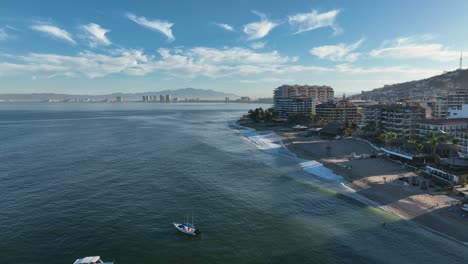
439,85
189,93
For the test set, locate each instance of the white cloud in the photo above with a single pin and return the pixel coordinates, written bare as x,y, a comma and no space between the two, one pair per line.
54,31
309,21
225,26
86,63
269,80
198,61
258,45
340,52
96,35
238,62
415,47
258,30
159,25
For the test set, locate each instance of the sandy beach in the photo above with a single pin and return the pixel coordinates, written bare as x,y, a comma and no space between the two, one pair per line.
380,180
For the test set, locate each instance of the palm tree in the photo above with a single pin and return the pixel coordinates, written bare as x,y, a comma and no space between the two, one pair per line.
420,147
433,141
384,137
454,141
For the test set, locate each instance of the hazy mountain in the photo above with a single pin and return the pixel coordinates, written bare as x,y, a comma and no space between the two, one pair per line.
439,85
189,93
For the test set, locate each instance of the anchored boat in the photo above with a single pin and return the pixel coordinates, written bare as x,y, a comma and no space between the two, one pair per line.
187,228
91,260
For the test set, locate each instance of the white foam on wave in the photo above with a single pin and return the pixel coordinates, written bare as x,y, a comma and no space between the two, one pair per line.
316,168
270,142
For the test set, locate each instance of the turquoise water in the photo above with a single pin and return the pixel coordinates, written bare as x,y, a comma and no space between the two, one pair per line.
109,179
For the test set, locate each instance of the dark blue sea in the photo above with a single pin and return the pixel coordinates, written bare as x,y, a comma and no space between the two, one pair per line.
109,179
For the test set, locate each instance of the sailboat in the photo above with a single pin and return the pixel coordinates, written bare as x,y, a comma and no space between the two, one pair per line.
91,260
187,227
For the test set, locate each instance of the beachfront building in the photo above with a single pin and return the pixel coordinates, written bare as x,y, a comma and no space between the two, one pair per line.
400,119
300,99
453,100
161,98
321,94
298,105
168,98
341,111
458,112
456,127
245,99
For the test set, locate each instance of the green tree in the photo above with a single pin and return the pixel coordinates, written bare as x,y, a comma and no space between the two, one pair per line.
420,147
433,141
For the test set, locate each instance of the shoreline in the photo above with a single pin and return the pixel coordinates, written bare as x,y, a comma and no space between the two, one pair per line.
378,180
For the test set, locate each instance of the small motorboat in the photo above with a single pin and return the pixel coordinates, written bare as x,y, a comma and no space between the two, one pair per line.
91,260
465,208
187,228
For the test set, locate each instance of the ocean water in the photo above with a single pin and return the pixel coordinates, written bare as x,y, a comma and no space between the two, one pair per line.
109,179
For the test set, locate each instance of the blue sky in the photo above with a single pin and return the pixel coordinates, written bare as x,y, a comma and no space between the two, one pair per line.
244,47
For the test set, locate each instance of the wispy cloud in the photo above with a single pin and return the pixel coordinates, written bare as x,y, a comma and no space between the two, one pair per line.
54,32
3,34
243,63
198,61
86,63
162,26
96,35
258,30
415,47
226,27
303,22
340,52
258,45
269,80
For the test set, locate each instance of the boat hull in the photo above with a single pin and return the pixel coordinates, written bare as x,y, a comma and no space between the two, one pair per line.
186,230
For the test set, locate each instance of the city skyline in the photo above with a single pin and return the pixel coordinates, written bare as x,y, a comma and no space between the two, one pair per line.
246,47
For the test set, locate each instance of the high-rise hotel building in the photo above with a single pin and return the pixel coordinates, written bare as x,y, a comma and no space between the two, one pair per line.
300,99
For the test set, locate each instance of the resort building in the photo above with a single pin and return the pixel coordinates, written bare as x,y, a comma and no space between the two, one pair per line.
321,94
245,99
168,98
459,112
400,119
456,127
454,100
300,99
341,111
161,98
299,105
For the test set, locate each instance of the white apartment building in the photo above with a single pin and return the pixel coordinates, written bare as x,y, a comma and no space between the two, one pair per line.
458,112
300,99
322,94
399,119
456,127
453,100
289,106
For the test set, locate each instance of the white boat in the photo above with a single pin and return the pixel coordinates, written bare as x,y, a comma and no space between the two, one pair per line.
91,260
187,228
465,207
